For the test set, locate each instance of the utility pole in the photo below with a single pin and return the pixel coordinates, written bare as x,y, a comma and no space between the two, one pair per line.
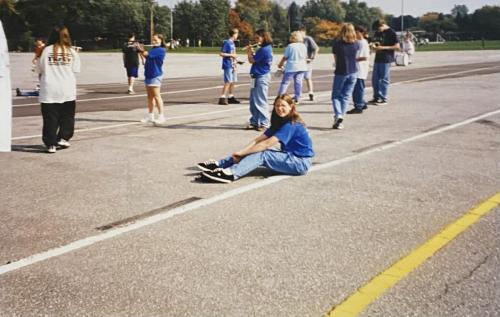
402,17
171,24
151,23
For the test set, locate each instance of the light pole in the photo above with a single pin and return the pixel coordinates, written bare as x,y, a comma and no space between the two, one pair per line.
171,24
402,16
151,24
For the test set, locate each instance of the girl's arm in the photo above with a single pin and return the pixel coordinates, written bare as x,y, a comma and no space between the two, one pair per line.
282,62
260,144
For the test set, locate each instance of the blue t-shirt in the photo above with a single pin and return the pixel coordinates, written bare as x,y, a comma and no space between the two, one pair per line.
263,59
154,62
228,48
294,139
345,57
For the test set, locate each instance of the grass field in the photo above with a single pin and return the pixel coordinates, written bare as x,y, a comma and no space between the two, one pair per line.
460,46
447,46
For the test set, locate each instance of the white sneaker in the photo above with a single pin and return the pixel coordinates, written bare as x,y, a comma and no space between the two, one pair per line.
148,119
131,92
161,119
51,149
63,143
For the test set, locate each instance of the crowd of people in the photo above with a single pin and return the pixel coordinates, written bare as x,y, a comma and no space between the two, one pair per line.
57,61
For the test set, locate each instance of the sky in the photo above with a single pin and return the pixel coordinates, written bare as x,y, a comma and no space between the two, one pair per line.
411,7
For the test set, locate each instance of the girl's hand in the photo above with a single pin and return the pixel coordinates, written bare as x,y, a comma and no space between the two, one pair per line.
237,157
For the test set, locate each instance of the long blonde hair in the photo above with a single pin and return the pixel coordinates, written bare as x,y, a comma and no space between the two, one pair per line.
296,37
347,33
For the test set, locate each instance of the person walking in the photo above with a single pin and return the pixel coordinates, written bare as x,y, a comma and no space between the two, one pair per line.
295,63
312,52
287,129
228,54
344,50
358,95
57,65
385,43
131,52
153,73
261,61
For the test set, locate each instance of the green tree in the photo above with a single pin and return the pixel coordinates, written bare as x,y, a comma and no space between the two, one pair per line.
486,22
256,12
357,13
186,20
213,21
294,19
278,25
331,10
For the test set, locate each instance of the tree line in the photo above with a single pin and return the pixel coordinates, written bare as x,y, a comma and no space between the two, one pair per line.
106,23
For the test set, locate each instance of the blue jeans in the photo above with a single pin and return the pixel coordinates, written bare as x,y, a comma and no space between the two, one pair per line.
381,76
297,77
281,162
358,95
259,110
343,85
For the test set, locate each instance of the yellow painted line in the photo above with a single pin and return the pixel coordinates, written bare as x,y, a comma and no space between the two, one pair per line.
368,293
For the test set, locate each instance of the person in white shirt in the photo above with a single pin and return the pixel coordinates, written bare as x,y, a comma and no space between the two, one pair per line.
296,65
57,66
407,46
363,63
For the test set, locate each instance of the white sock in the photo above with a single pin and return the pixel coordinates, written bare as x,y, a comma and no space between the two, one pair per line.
231,96
227,171
311,92
223,96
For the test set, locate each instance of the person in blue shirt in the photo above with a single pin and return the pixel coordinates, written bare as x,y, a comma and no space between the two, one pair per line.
261,61
287,129
228,54
345,51
153,73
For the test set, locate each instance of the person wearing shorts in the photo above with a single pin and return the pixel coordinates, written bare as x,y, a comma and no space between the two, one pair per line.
131,61
312,51
153,74
228,54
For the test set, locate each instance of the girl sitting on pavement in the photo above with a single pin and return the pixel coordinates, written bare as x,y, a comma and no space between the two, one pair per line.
288,129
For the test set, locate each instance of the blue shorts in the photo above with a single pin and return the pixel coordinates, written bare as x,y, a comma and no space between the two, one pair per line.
230,75
153,82
133,71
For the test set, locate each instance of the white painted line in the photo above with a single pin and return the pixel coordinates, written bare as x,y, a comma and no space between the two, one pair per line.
194,115
76,245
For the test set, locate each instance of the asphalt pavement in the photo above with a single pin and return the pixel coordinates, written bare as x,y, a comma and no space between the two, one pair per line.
118,225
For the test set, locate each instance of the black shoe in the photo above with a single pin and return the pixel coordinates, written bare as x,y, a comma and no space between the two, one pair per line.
311,97
18,92
207,166
223,101
338,124
218,175
233,100
373,101
355,111
381,102
364,107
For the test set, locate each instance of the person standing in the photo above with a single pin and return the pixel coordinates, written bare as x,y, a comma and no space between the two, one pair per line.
261,61
312,51
131,61
296,66
228,54
407,46
385,42
5,95
57,65
358,95
344,50
153,73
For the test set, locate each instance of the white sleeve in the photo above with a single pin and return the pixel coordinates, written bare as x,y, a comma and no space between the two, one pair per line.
76,61
40,63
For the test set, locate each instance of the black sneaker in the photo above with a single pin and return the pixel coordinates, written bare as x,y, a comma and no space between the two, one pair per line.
365,107
311,97
233,100
381,102
355,111
338,124
18,92
218,175
373,101
223,101
207,166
